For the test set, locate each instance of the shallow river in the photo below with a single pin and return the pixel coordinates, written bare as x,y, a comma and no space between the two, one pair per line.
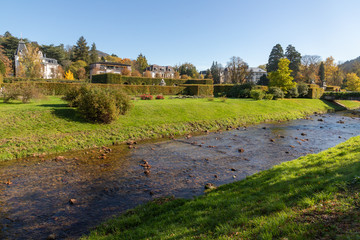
35,192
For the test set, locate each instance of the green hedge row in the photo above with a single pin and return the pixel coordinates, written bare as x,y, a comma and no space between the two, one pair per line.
18,79
221,90
111,78
198,90
333,88
49,88
342,95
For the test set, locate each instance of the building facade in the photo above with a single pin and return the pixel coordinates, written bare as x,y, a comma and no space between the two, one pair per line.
254,76
161,71
108,67
50,66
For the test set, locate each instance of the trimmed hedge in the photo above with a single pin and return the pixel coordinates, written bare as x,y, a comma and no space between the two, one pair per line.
198,90
315,92
341,95
333,88
221,90
111,78
18,79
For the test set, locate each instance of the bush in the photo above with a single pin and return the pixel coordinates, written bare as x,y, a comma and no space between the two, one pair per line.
241,90
146,97
292,93
25,92
198,90
72,96
269,96
257,94
221,90
102,105
303,89
159,97
276,92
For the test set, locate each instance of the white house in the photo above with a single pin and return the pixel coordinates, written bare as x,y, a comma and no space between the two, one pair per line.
50,66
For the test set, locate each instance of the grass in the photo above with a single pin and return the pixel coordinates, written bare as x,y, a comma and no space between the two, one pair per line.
49,126
351,105
313,197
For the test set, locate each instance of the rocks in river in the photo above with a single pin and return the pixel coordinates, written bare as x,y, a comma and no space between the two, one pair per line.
72,201
146,167
8,182
211,146
51,237
272,140
303,134
59,158
188,136
340,121
131,142
210,186
287,152
241,150
264,128
215,176
233,169
320,120
292,146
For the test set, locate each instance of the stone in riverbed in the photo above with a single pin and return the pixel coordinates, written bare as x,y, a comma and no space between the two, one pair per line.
210,186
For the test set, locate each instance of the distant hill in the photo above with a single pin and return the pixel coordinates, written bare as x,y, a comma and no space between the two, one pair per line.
348,66
102,54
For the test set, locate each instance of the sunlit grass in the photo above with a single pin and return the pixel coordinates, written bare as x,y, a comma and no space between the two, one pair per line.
48,126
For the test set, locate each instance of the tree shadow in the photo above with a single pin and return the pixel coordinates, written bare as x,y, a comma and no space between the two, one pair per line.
65,112
337,107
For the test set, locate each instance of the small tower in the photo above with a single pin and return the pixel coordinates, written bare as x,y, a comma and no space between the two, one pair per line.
20,51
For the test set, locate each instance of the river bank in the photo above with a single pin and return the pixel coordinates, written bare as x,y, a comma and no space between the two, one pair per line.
49,126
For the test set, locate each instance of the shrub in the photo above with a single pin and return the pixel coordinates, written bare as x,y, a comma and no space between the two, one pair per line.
184,76
159,97
269,96
125,72
102,105
257,94
24,91
72,96
292,93
276,92
136,73
146,97
315,92
303,89
147,74
221,90
241,90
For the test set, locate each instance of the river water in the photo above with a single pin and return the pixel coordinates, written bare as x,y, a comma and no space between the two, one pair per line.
35,192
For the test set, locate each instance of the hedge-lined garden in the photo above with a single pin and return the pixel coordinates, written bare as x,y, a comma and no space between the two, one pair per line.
111,78
341,95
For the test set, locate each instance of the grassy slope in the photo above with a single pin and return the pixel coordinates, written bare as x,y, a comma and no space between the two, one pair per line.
351,105
50,126
313,197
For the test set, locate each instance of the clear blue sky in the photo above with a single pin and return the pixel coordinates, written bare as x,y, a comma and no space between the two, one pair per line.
198,31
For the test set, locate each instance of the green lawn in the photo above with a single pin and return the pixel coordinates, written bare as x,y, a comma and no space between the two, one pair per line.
313,197
49,126
349,104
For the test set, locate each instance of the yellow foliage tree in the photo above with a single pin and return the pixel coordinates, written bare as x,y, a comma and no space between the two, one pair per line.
31,62
353,82
69,75
333,75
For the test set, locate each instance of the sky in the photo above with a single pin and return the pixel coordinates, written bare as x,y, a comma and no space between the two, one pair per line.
170,32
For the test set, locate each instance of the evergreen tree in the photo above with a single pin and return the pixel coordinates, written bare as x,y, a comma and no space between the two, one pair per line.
141,63
215,70
276,54
208,74
81,50
321,73
94,57
294,58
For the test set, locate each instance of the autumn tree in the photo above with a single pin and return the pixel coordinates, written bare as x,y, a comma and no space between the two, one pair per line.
135,73
276,54
309,68
176,75
75,69
81,50
237,70
7,63
353,82
216,70
282,76
208,74
333,74
125,71
30,62
147,74
141,63
295,60
94,57
69,75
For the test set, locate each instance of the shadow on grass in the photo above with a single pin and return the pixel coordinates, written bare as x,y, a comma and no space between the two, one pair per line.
65,112
334,105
